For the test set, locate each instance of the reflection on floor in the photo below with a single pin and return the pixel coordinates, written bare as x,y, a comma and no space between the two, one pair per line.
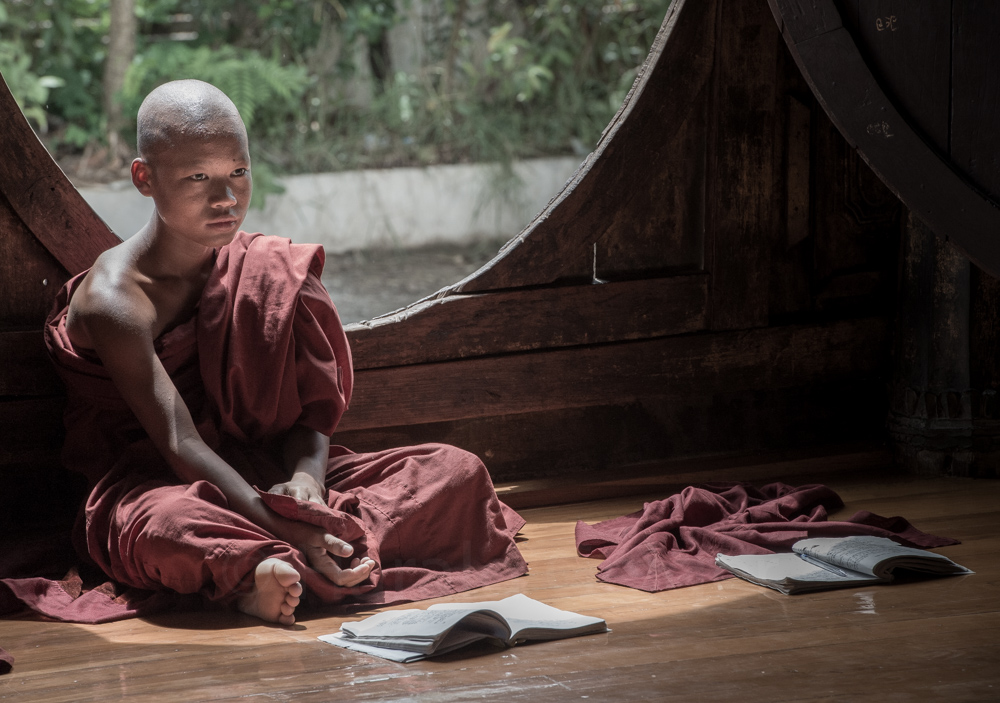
924,640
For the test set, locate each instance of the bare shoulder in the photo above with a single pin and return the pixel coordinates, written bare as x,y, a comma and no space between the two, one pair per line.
111,304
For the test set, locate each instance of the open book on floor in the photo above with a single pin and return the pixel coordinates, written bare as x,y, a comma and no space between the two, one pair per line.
822,563
409,635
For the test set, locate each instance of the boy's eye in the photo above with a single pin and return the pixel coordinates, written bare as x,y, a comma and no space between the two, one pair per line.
198,177
240,172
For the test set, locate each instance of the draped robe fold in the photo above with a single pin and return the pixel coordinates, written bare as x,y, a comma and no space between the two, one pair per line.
264,351
672,543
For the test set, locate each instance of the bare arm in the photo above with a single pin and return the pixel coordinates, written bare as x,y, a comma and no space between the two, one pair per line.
305,457
123,340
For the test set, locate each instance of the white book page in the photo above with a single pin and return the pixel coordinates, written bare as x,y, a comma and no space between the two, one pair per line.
861,553
396,655
525,614
786,567
456,640
396,624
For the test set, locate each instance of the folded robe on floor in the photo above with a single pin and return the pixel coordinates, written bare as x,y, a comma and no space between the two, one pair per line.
672,543
264,351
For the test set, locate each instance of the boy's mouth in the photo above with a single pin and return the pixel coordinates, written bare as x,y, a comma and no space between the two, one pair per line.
222,224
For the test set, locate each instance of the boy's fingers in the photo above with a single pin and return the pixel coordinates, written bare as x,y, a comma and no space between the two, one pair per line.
343,577
337,546
353,576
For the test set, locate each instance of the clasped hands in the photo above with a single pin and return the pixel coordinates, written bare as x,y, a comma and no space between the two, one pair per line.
317,544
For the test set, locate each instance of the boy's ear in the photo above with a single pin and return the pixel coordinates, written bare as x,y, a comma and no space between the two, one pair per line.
141,177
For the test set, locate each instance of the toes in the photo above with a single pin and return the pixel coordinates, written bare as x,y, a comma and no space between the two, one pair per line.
285,574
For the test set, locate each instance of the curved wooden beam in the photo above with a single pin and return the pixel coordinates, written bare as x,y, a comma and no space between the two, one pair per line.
42,195
559,242
844,85
509,305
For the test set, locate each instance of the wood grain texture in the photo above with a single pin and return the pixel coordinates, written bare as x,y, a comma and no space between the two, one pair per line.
856,228
43,197
928,185
924,640
604,440
615,373
984,331
462,326
662,226
792,261
29,275
806,19
908,47
975,149
741,226
975,79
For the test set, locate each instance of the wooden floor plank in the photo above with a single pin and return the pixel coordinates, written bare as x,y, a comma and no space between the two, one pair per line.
923,640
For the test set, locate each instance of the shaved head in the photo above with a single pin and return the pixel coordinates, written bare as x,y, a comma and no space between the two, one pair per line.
186,109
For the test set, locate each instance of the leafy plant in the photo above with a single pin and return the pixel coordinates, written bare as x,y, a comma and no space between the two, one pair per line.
500,79
527,80
60,44
249,79
31,91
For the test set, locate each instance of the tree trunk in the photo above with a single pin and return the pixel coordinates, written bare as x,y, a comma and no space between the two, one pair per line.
121,50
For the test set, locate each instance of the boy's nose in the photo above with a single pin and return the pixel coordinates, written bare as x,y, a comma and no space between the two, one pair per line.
223,197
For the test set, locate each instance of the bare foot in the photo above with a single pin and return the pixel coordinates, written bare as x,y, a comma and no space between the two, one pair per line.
275,593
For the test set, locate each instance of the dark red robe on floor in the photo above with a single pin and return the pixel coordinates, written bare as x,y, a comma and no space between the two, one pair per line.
264,351
672,543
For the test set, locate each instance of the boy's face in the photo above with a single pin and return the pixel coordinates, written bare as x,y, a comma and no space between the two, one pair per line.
201,187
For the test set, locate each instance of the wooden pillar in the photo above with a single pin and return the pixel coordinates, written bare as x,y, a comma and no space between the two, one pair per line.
944,416
930,414
941,62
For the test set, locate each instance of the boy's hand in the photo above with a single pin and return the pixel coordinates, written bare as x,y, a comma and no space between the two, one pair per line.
302,487
320,548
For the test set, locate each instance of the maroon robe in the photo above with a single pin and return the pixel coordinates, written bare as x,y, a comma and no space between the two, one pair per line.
672,543
264,351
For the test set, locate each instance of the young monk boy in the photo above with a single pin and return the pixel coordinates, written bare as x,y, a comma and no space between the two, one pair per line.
204,364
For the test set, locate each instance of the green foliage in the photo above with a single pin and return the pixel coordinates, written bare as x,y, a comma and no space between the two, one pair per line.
527,79
501,79
249,79
368,19
30,90
60,43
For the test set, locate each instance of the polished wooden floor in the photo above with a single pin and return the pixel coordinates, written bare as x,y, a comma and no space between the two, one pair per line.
936,640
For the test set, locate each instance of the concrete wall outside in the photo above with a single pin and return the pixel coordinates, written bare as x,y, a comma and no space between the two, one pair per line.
400,207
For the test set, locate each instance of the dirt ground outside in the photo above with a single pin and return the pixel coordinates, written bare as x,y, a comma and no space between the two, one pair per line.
371,282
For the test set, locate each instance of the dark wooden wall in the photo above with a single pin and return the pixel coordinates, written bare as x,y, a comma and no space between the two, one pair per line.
749,260
939,64
47,230
718,278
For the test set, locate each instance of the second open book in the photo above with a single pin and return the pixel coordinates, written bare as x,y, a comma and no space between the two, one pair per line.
821,563
409,635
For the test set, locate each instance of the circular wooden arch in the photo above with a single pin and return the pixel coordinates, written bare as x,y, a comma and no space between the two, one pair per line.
854,98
